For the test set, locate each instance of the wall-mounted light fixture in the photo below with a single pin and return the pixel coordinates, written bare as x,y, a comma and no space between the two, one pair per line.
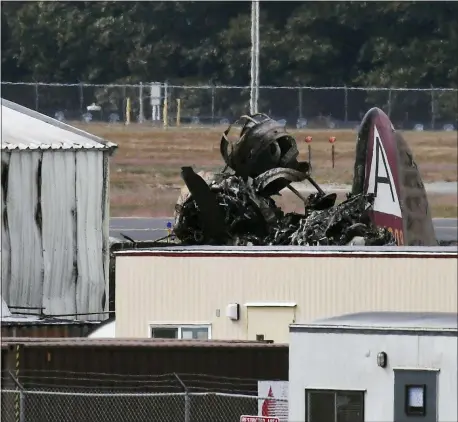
233,311
382,359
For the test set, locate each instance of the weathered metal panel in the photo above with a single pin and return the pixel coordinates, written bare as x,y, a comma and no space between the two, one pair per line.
24,224
59,240
90,284
249,361
48,330
55,231
186,288
6,247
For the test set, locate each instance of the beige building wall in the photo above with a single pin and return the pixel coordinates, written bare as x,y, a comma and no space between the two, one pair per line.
274,290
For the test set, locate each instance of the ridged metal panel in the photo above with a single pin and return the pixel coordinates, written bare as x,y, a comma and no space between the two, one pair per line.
55,231
185,289
47,330
25,129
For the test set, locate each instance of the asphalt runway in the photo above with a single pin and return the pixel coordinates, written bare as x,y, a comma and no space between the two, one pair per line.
148,229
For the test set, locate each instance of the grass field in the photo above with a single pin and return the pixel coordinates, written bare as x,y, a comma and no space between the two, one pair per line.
145,170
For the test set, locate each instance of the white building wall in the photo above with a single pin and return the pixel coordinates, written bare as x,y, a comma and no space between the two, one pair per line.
342,361
55,230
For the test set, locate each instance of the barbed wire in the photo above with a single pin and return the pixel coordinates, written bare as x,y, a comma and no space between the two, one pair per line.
147,394
170,374
296,87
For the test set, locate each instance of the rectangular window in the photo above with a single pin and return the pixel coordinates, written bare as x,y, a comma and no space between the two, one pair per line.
415,400
183,332
334,406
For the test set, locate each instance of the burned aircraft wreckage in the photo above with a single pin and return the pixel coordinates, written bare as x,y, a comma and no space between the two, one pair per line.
236,206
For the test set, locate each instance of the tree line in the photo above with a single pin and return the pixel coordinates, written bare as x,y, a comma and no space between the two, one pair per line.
397,44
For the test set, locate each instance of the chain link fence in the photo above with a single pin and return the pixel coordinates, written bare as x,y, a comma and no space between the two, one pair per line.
313,107
69,406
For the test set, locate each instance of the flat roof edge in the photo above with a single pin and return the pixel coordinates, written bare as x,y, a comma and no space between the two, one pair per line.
297,251
377,330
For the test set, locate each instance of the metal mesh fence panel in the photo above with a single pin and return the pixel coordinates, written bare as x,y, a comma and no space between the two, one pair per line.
411,108
230,104
103,407
62,102
195,105
280,104
22,94
322,106
69,406
10,406
312,107
444,110
359,101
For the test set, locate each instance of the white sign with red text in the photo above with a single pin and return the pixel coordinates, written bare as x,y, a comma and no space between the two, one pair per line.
246,418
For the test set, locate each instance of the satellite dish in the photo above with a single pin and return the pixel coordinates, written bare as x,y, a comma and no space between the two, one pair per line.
224,121
195,120
418,127
331,125
448,127
282,122
301,123
93,107
87,117
113,118
59,116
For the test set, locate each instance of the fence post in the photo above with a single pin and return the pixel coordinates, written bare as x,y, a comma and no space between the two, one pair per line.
187,402
389,103
345,104
213,105
299,95
19,401
21,406
140,94
36,97
80,87
433,109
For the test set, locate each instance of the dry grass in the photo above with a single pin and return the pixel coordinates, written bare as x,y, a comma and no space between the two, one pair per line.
145,169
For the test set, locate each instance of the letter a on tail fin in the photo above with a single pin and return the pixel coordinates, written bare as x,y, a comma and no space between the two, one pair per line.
384,167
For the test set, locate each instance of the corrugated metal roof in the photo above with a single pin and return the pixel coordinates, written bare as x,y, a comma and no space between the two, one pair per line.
25,129
428,320
133,342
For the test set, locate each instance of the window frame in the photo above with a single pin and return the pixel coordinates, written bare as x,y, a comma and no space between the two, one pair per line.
307,391
180,326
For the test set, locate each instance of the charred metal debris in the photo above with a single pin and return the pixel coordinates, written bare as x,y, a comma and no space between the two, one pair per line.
235,206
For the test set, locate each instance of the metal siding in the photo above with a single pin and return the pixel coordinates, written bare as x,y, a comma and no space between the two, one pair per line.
245,362
349,362
5,241
26,260
58,181
192,289
90,284
42,258
48,330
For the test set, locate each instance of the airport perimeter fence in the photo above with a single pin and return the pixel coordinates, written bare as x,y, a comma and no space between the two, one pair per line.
69,406
311,107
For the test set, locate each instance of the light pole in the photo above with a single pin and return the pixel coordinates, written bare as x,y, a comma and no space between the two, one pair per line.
254,84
